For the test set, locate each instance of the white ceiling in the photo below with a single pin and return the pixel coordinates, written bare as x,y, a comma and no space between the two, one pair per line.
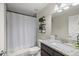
26,8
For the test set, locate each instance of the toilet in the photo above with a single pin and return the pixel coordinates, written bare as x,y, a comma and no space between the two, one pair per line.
34,51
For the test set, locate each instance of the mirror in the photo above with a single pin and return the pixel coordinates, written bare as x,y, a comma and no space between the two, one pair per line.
65,24
73,26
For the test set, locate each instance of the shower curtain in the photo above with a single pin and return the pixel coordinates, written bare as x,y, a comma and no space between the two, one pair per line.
21,32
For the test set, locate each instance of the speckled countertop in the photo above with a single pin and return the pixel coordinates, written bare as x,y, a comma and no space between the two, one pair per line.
61,47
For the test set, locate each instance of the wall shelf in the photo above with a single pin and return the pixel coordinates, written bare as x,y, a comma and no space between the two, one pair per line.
42,25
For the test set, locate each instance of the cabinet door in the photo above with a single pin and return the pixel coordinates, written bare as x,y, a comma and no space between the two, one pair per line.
50,51
56,53
43,53
47,49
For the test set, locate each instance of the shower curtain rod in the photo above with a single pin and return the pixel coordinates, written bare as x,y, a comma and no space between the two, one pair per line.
20,13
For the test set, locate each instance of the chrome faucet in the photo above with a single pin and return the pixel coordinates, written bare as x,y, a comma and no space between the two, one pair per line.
78,39
56,37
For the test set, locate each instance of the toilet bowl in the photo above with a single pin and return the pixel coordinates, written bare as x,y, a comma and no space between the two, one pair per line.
34,50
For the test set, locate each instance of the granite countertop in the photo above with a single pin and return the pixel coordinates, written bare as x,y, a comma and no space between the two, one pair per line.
61,47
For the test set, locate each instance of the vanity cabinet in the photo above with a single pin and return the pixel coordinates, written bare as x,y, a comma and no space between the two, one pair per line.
48,51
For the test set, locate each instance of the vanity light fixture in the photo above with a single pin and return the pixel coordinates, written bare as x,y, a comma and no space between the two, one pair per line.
56,7
65,8
63,5
59,10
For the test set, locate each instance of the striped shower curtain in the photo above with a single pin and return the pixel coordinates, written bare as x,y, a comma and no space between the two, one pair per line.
21,32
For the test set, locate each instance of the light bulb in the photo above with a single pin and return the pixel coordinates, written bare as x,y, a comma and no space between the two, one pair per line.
56,7
65,8
63,5
59,10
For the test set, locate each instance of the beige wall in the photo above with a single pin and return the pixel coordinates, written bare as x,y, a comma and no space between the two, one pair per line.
2,26
47,11
60,23
60,26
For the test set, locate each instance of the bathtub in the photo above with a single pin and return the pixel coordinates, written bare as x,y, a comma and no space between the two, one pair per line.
34,51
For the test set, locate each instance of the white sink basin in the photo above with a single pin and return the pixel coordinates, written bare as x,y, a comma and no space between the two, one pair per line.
54,43
69,44
63,47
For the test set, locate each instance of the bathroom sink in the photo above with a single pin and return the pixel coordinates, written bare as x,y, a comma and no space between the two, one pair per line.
54,41
75,45
57,44
63,47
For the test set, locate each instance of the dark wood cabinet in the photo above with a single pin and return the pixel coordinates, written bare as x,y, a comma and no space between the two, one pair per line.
48,51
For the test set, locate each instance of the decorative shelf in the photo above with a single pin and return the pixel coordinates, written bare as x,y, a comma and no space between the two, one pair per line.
42,25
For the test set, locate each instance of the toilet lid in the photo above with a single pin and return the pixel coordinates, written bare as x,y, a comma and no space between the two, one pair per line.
34,49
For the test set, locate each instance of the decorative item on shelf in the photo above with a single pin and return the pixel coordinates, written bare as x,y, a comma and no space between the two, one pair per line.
42,19
42,25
